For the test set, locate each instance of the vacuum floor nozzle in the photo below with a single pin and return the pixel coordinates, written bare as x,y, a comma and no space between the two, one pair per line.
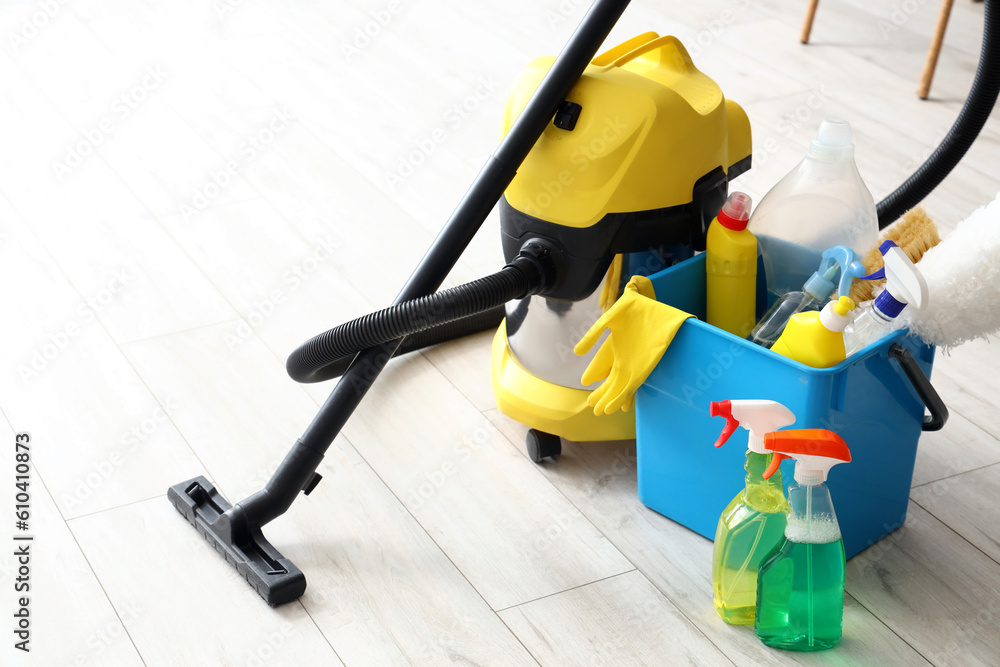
274,577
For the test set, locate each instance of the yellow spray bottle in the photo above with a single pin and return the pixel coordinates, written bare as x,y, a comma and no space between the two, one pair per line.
731,268
816,338
753,524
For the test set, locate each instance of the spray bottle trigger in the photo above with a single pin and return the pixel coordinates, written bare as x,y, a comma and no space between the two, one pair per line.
855,270
880,274
846,261
724,409
776,460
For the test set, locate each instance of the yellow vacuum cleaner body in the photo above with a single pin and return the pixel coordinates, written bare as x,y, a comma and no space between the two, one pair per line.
637,160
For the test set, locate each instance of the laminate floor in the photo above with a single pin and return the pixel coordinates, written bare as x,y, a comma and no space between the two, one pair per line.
190,189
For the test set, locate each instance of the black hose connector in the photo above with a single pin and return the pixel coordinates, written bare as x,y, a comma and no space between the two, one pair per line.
328,354
973,115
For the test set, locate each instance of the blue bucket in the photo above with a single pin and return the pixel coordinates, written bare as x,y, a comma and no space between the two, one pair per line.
874,400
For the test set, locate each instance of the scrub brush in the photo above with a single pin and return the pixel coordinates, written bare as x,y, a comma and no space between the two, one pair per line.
963,280
915,234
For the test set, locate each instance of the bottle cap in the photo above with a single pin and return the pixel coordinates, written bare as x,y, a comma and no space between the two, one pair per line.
735,212
821,286
836,315
833,141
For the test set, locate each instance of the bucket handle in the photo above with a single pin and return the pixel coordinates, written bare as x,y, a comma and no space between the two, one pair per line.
938,416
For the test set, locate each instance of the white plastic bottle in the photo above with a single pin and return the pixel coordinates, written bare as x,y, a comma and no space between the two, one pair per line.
820,203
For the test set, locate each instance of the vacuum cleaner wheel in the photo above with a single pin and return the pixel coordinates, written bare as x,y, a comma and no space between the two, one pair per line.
543,445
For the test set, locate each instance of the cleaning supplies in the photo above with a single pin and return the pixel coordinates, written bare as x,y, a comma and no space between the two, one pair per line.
731,268
708,121
817,339
754,522
813,295
963,283
820,203
903,285
641,330
915,233
800,588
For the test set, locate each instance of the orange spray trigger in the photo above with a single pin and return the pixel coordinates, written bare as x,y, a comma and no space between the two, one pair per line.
776,460
809,442
815,451
724,409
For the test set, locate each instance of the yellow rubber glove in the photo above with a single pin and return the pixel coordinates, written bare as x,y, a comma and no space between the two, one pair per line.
609,293
641,331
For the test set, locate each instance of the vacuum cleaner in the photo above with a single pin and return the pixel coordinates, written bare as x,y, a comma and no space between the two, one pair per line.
609,166
604,189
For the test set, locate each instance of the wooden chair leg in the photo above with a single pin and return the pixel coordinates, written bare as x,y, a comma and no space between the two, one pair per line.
807,25
924,88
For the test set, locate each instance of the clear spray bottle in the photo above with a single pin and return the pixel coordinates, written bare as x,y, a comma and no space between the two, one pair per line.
903,284
754,522
800,587
814,294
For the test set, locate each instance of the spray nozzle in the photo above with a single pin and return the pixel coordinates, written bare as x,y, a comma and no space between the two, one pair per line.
838,258
903,281
815,451
756,416
735,213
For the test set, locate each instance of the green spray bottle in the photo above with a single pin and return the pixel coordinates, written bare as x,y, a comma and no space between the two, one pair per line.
754,522
800,588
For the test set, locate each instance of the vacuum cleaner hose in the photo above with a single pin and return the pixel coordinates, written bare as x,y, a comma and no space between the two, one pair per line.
434,318
487,320
977,108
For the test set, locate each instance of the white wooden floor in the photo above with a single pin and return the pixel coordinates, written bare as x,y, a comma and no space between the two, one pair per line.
192,187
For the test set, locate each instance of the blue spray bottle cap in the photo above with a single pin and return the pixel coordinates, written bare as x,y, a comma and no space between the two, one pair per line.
820,284
903,282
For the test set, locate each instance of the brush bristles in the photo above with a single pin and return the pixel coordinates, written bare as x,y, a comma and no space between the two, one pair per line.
915,233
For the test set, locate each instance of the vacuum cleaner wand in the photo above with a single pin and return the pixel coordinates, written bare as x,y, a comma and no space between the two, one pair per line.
235,531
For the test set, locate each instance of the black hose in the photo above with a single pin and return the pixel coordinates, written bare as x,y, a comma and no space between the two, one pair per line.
977,108
327,355
466,326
